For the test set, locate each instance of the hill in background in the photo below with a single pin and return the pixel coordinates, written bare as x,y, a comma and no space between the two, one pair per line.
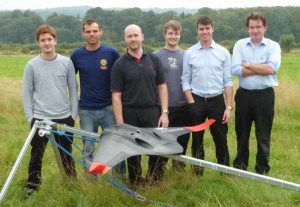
79,11
76,11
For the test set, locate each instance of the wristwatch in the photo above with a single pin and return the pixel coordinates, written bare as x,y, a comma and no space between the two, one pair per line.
165,111
247,64
229,108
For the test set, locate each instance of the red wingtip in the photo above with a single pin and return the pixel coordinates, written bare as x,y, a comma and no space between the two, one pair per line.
96,167
202,126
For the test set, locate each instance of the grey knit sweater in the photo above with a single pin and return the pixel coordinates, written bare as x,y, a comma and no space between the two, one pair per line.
50,89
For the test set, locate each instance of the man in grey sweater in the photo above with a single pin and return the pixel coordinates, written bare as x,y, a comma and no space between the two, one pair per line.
47,79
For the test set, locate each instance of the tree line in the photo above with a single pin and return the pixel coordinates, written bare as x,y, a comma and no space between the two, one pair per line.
18,27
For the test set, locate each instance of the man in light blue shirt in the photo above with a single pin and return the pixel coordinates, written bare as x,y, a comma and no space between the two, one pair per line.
255,62
206,76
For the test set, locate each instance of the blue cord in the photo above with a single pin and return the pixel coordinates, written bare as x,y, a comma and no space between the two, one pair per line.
108,177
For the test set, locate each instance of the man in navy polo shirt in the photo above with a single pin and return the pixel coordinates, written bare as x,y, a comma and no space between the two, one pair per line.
137,85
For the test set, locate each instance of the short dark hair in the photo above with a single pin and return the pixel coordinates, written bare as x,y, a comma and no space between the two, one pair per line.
205,20
44,29
256,16
89,22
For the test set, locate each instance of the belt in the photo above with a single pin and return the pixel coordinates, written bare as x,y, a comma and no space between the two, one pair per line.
209,99
256,90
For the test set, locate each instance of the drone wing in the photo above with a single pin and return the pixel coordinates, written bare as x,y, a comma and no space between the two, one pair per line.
123,141
178,131
109,153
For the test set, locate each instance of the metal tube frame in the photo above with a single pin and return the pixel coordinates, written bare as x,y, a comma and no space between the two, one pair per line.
202,163
18,162
237,172
44,127
48,125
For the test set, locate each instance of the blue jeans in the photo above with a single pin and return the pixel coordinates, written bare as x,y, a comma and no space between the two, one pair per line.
90,120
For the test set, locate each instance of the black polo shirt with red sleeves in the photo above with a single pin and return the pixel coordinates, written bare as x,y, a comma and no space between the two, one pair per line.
137,81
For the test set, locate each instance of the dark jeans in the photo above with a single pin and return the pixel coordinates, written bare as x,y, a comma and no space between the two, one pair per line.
37,152
179,117
212,108
254,106
142,117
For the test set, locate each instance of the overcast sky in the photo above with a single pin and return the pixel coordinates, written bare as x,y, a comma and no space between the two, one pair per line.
39,4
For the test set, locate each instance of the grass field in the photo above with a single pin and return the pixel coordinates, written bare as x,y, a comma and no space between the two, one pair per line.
178,188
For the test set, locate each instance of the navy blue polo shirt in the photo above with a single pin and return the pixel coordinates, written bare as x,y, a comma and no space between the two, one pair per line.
137,81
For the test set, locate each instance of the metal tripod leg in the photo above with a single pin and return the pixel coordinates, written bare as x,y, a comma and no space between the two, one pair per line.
18,162
236,172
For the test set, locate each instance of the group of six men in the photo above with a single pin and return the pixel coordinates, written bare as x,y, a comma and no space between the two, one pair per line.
169,87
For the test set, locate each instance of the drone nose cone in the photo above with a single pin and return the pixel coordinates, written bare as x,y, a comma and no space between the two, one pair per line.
99,168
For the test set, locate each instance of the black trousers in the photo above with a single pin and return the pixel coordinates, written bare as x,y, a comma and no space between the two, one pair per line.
178,117
254,106
212,108
37,152
143,117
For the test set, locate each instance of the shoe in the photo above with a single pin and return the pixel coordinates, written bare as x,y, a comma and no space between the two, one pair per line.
240,166
262,172
198,171
29,192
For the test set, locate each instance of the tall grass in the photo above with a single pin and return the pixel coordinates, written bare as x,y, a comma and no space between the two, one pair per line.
178,188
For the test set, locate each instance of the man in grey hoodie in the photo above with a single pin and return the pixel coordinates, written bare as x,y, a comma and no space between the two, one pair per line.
47,79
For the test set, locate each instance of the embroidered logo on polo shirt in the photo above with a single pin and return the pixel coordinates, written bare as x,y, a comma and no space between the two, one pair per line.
103,64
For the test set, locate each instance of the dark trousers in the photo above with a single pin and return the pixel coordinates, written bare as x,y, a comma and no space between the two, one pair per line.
142,117
178,117
37,152
212,108
254,106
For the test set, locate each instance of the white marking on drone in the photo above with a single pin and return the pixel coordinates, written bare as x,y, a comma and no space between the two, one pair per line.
166,130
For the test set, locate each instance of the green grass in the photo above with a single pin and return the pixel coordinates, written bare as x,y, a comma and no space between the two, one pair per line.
178,188
13,65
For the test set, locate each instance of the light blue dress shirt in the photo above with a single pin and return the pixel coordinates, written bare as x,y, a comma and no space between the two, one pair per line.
206,71
267,52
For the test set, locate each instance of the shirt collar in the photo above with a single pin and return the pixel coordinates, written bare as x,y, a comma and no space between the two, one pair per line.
130,56
263,41
212,45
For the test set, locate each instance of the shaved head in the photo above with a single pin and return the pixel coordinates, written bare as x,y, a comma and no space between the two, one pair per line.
132,27
134,37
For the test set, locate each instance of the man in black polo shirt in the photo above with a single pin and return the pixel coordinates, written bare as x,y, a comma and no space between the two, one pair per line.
137,84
